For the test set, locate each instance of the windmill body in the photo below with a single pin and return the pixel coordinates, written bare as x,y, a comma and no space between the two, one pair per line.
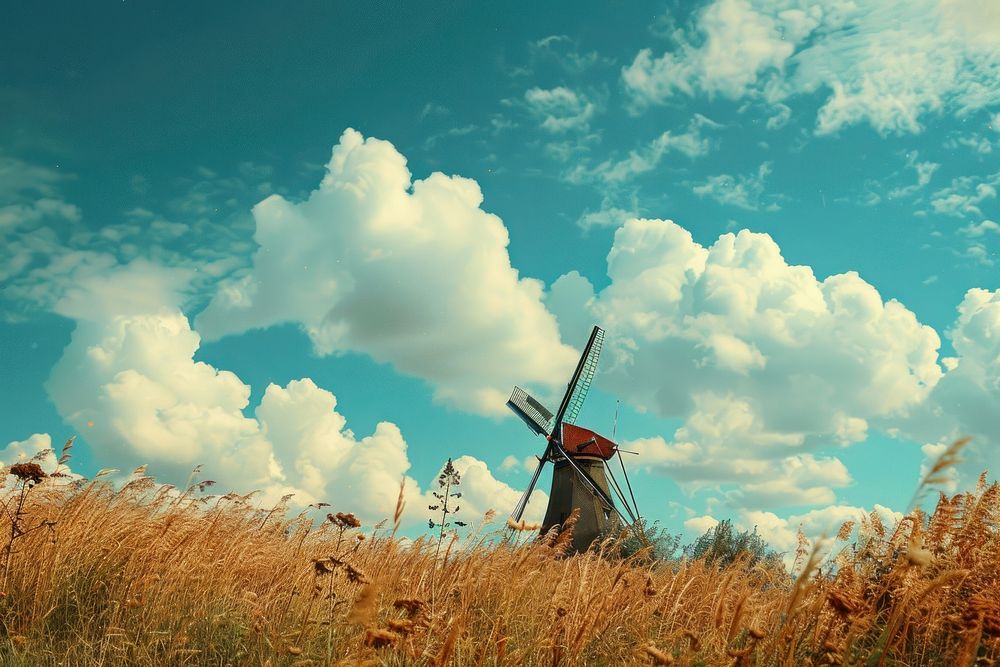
580,476
569,493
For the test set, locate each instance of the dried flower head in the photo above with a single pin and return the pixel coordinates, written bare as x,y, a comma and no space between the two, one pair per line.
344,520
28,472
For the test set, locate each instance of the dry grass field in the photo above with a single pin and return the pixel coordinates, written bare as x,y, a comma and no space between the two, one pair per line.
139,575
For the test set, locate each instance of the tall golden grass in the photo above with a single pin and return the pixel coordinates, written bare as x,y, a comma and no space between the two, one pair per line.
141,575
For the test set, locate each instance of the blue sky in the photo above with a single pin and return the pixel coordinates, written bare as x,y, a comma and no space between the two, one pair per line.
312,249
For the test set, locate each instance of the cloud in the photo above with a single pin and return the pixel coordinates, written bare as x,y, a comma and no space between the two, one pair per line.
963,197
46,249
559,109
699,525
799,480
966,401
978,230
612,172
413,273
780,533
782,114
739,44
607,215
924,171
512,463
509,463
129,380
975,141
461,131
431,109
19,451
743,190
30,205
19,179
761,361
885,64
566,53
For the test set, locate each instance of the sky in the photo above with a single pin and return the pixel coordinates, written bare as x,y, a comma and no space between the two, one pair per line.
311,248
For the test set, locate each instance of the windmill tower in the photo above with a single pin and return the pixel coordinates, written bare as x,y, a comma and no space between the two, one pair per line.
579,456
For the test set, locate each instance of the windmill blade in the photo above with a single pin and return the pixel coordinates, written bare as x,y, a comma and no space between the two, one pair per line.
578,387
533,413
522,504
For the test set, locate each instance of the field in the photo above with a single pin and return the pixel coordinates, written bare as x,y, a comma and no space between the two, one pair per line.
142,575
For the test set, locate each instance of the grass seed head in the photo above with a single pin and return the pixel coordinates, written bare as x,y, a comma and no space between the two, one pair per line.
522,525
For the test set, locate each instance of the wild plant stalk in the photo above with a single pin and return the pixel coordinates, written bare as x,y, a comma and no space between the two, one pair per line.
448,478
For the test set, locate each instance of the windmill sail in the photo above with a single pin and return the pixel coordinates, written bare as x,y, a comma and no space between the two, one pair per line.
577,391
534,414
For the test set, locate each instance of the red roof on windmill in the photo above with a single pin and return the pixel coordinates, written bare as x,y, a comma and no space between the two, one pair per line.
579,441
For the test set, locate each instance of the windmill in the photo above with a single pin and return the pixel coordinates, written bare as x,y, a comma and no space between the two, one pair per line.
580,476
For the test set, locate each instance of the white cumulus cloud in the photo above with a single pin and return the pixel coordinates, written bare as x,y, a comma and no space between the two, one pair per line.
966,402
129,380
762,361
413,273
